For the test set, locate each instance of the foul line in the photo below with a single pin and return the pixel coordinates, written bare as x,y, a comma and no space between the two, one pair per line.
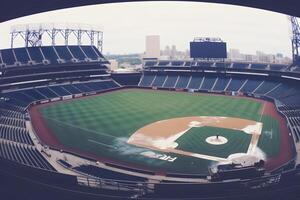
100,143
85,129
262,112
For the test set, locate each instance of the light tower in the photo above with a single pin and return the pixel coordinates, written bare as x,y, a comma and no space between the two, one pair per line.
35,34
295,40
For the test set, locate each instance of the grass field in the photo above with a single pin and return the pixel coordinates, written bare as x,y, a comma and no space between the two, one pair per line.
102,124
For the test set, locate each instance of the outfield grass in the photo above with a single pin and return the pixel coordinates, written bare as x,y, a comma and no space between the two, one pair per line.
102,124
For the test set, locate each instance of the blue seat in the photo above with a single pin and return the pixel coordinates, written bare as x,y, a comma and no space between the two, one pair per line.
50,54
195,82
170,81
22,55
208,83
35,54
64,53
235,84
90,52
250,86
8,56
77,52
159,80
182,82
221,84
147,80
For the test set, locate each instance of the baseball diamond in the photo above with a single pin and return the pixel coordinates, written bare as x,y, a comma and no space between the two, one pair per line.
124,125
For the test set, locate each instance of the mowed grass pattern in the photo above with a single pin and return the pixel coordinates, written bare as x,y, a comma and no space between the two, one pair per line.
102,124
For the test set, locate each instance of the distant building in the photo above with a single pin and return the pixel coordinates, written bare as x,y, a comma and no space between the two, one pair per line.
152,46
113,65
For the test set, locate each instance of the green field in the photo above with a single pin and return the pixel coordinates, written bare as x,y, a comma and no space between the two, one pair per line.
102,124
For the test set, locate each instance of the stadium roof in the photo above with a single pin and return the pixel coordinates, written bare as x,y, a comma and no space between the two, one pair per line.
11,9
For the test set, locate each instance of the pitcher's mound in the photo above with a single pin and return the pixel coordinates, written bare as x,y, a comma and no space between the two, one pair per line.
214,140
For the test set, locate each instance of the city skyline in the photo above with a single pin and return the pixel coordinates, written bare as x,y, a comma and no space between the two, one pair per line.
126,25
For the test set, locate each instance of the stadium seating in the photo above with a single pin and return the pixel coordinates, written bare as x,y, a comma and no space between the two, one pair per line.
163,63
235,84
71,89
240,65
182,82
147,80
24,154
90,52
258,66
108,174
64,53
8,57
77,52
195,82
159,81
221,84
208,83
15,134
50,54
22,55
36,54
250,86
59,90
278,67
266,87
170,81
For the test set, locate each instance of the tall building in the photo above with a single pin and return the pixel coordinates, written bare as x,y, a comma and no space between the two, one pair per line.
152,46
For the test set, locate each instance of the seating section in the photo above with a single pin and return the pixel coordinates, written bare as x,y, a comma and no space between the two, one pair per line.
278,67
50,54
22,55
235,84
90,52
287,94
66,54
293,116
8,56
183,81
240,65
36,54
15,134
250,86
170,81
163,63
195,82
159,81
147,80
77,52
24,154
221,84
23,98
266,87
258,66
208,83
108,174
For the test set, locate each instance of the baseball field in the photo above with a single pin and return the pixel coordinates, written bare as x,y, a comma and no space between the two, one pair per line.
175,132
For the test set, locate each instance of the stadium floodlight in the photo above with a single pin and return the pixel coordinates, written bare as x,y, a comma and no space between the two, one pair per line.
295,39
35,34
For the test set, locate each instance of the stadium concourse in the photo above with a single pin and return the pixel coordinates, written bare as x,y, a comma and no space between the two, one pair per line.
60,82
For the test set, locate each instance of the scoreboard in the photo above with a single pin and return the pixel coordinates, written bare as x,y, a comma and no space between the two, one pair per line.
207,49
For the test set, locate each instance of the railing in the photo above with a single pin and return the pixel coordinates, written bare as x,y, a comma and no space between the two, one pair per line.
131,186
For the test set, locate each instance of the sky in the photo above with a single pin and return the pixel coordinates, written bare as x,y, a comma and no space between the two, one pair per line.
125,25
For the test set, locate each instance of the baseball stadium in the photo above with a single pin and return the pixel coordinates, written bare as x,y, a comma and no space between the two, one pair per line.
70,128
